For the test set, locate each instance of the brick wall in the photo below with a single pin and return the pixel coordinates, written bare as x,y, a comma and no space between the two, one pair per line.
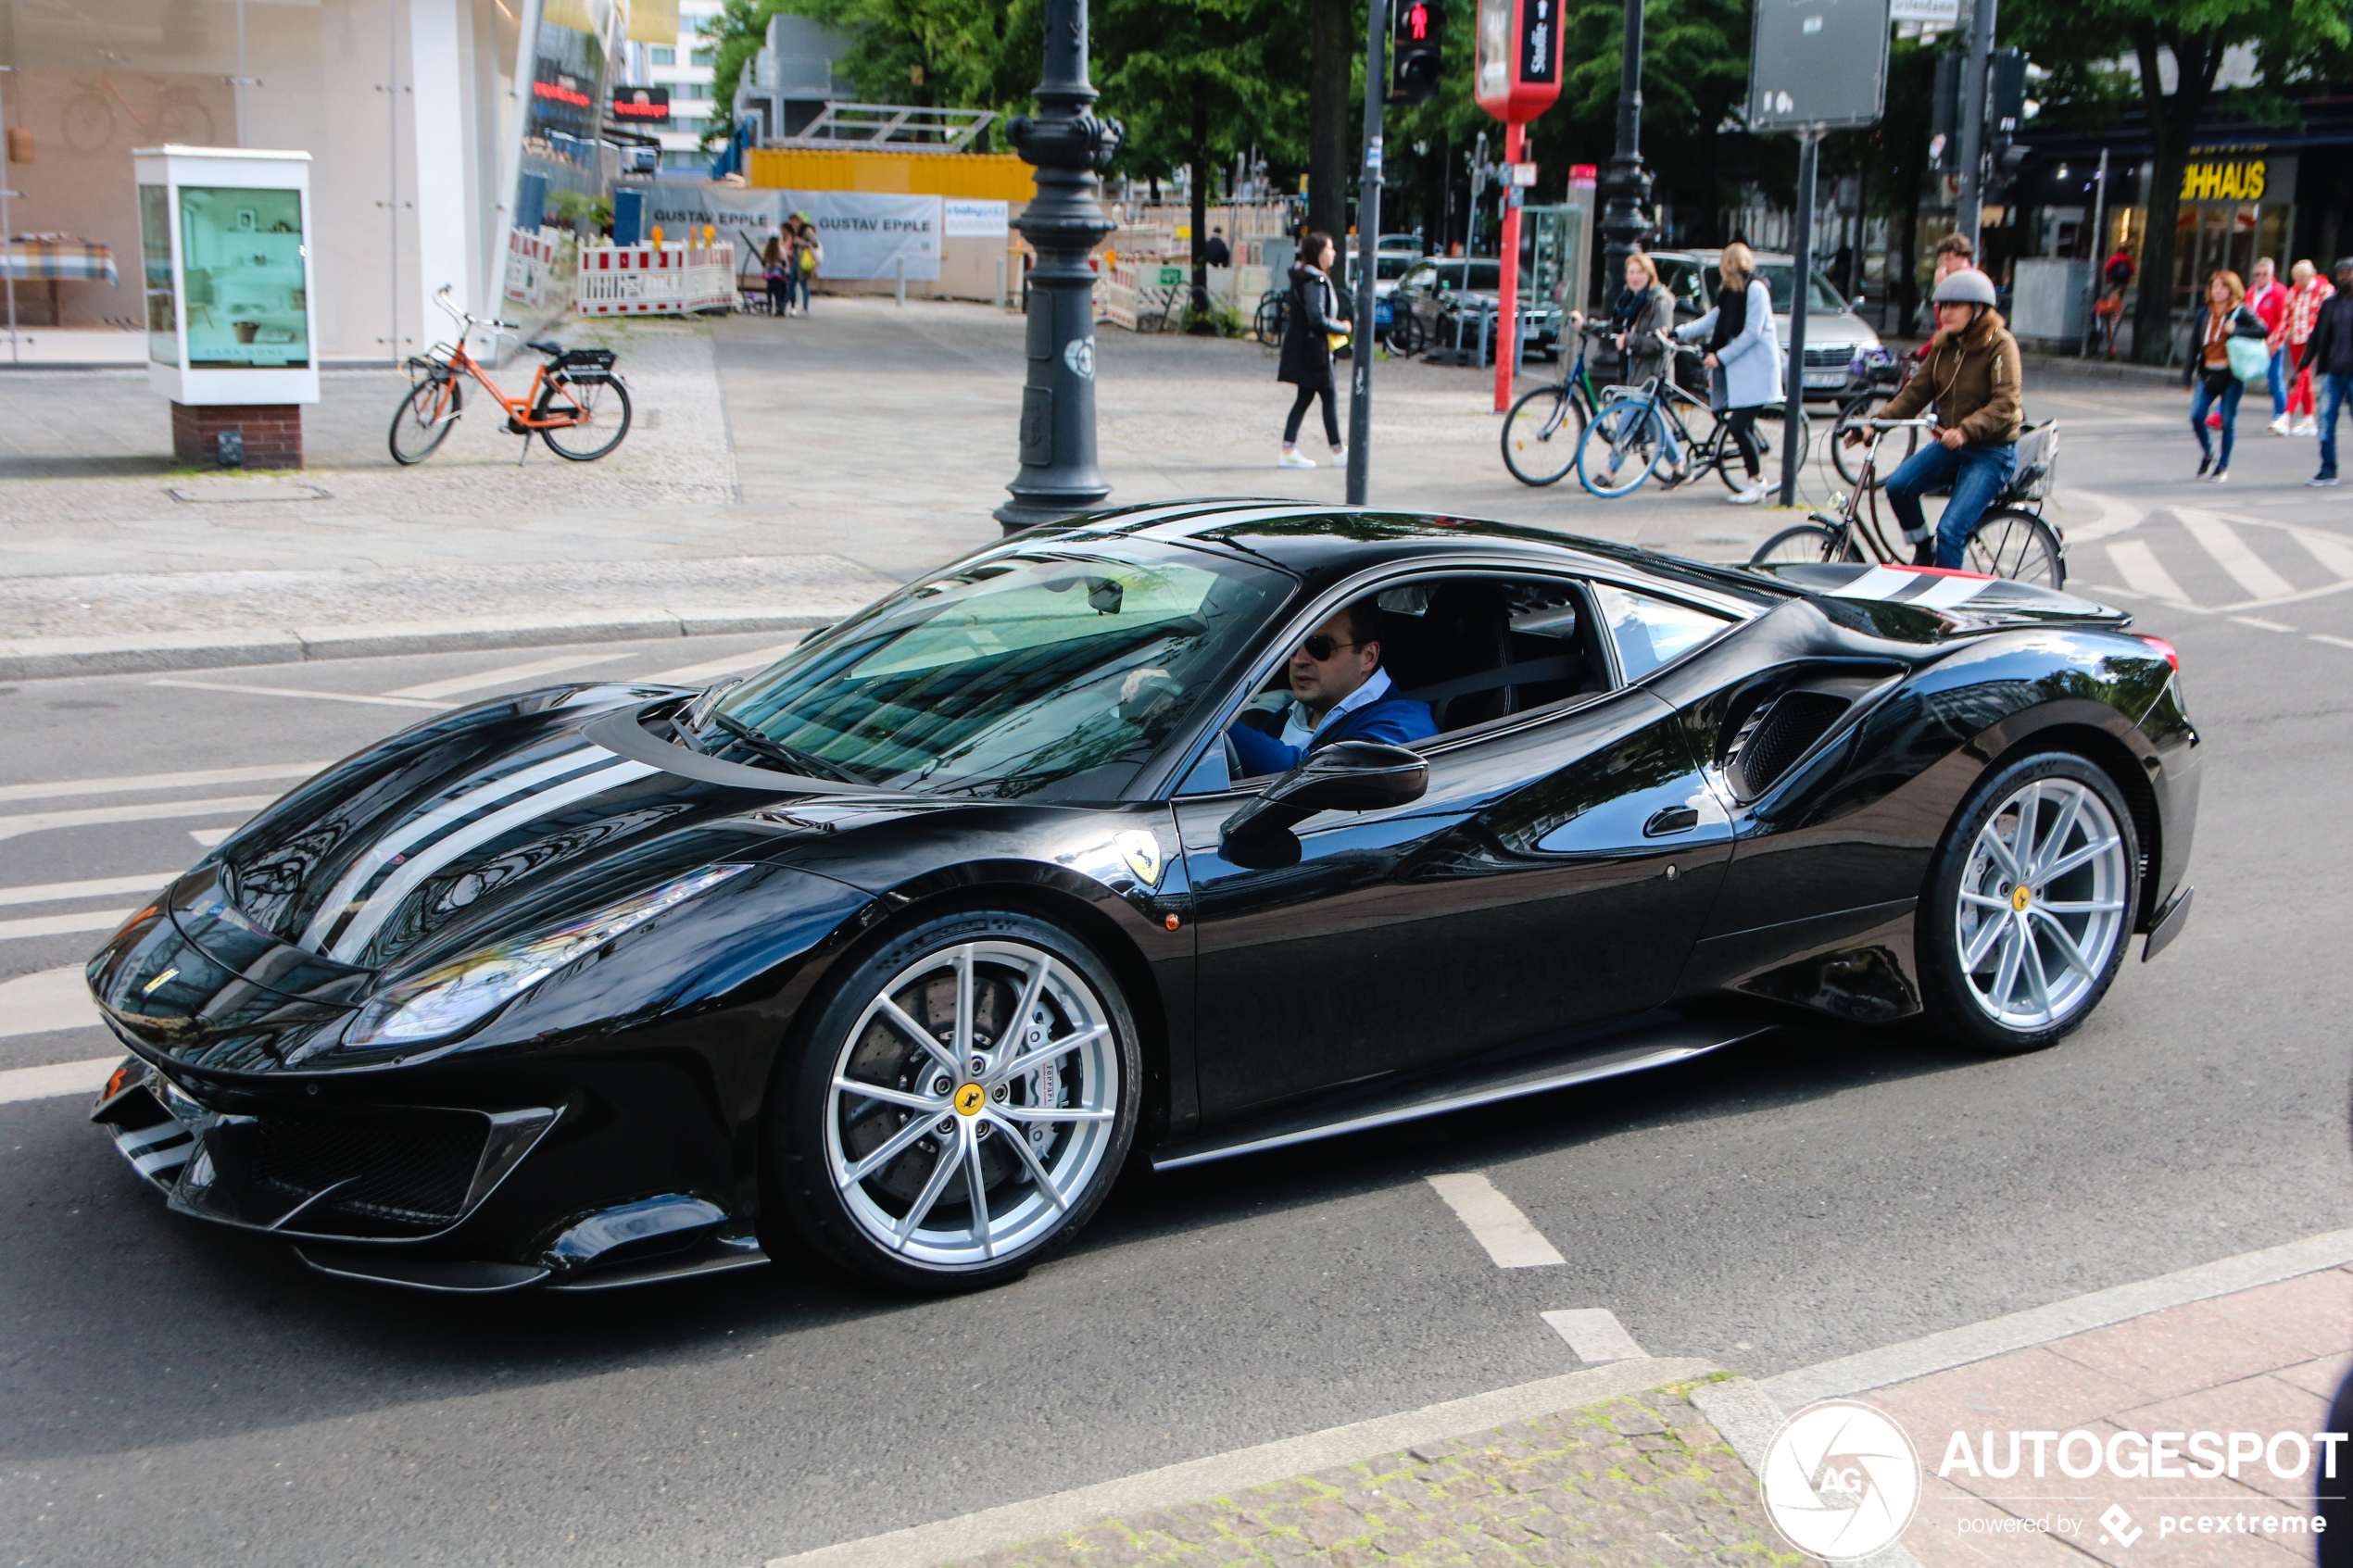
273,433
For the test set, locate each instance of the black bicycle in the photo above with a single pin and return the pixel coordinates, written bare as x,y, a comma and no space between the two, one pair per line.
1872,377
1641,431
1274,314
1541,433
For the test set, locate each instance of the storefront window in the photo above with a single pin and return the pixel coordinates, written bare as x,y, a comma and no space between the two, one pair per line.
154,250
241,253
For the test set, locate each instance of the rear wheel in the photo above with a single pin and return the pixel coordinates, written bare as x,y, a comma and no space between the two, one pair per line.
1404,332
1618,447
2016,545
600,409
963,1107
1267,325
2030,905
422,420
1770,424
1807,542
1540,435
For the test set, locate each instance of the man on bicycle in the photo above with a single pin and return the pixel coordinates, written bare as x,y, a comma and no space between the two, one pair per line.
1971,373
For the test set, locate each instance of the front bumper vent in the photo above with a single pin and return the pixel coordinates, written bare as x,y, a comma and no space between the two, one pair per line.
414,1172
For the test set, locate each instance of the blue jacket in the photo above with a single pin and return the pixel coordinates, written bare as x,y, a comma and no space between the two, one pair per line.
1395,720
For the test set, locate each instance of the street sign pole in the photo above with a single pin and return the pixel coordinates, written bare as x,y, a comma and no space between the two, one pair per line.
1970,218
1360,402
1809,145
1507,304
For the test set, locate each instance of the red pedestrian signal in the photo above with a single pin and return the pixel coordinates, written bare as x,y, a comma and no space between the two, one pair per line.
1414,63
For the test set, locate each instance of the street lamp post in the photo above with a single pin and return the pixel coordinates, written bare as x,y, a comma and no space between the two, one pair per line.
1067,145
1625,219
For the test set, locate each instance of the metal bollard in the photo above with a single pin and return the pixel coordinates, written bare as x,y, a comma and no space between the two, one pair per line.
1000,283
1486,328
900,266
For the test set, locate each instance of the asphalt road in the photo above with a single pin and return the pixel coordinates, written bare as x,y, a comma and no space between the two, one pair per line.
172,1394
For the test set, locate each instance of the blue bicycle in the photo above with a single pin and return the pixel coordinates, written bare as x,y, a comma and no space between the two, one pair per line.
1640,430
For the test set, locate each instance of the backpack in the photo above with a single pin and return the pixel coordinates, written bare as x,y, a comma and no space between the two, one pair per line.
811,254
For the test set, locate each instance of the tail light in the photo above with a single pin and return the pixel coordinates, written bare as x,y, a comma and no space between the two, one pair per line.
2166,648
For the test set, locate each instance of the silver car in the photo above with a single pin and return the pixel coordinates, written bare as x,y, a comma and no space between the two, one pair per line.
1835,334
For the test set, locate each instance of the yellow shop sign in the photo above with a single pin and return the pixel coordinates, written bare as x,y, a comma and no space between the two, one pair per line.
2223,181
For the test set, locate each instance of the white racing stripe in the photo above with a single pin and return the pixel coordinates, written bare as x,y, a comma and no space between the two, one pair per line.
1496,1222
1904,584
39,821
128,782
1946,592
510,676
55,1082
352,939
1878,583
377,857
60,926
99,888
52,999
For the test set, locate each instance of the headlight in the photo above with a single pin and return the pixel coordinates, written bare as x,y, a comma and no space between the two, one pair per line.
445,1000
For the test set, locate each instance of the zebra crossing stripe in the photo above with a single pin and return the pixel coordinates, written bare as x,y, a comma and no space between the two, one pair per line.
2143,572
2220,540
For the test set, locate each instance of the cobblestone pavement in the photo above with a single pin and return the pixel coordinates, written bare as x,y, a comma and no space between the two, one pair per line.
1624,1484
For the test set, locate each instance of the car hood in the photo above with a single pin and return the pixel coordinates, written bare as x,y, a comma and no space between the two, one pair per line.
1830,330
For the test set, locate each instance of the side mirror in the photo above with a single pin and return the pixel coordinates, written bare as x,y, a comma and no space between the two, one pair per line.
1860,300
1349,775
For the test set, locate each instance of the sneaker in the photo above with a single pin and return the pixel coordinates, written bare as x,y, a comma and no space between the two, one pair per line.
2279,426
2205,466
1748,494
1339,456
1924,553
2307,427
2222,476
1295,460
2322,482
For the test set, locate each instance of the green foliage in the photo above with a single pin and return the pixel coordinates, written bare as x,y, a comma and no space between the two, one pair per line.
1239,62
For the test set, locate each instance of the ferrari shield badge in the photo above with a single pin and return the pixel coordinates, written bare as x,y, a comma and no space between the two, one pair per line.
1142,852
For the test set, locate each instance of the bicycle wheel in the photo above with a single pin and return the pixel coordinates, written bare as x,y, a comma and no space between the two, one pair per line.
1618,447
1807,542
1267,325
1406,334
1540,435
1894,448
2013,543
1770,423
422,420
602,408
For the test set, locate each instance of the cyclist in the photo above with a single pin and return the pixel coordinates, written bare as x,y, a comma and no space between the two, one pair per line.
1971,373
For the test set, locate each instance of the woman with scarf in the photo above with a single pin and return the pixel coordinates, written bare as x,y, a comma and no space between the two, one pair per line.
1746,357
1317,323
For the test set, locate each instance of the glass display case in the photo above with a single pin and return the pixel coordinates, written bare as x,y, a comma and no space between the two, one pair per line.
225,256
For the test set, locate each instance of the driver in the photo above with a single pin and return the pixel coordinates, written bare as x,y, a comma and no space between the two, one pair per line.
1338,691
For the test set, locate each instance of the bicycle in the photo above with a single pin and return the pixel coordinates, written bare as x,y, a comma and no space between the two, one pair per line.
1872,377
576,390
1541,417
1630,435
2011,540
175,114
1273,314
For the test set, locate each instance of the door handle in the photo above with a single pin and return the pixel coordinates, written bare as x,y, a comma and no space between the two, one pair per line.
1672,818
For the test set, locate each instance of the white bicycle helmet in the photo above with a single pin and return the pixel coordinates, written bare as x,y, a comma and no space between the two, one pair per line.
1968,286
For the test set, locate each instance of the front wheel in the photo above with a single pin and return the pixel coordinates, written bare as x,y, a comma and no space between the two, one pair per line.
599,411
2013,543
1894,447
1619,448
1807,543
2028,905
423,419
1540,435
1267,325
961,1108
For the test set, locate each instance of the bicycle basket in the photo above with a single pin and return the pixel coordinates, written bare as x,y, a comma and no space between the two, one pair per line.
2038,464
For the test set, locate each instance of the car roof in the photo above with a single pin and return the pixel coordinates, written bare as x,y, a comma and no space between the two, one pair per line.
1322,545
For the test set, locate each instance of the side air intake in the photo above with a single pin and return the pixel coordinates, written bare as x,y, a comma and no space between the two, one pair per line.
1777,734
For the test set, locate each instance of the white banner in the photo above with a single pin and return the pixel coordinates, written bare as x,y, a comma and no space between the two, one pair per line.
1944,12
864,234
966,218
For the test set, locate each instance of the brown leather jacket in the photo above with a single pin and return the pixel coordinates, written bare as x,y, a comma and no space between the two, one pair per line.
1973,379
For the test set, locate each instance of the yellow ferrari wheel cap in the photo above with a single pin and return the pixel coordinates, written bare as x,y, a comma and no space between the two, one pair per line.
2020,898
969,1099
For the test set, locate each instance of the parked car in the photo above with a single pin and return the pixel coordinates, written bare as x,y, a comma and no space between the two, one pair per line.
1447,293
1836,336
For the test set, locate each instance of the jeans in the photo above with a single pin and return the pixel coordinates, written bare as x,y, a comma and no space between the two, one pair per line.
2277,373
1976,473
2206,397
2336,390
1299,410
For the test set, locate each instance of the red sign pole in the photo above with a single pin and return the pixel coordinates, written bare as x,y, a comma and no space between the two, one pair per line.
1515,76
1507,311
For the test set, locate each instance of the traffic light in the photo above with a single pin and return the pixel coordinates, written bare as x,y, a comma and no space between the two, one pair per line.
1415,67
2006,105
1944,117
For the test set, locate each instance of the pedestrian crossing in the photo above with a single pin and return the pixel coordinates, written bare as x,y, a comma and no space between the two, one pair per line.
2218,563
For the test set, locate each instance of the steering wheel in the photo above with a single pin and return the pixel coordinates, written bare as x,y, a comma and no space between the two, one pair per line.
1155,695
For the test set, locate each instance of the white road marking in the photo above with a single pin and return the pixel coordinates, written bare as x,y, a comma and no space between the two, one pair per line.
60,1079
100,887
511,676
129,781
1595,1335
296,691
2217,539
209,837
2260,625
1495,1223
695,674
52,999
2334,555
2143,572
2334,642
39,821
60,926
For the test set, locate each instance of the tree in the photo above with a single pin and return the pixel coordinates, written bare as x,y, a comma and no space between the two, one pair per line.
936,54
2192,36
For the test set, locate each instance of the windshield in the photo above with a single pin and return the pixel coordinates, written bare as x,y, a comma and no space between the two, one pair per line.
1825,300
1486,277
1010,675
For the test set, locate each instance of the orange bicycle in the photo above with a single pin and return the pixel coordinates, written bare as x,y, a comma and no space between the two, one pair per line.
575,403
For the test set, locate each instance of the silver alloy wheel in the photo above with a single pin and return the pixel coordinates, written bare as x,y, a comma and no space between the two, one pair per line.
971,1103
2042,905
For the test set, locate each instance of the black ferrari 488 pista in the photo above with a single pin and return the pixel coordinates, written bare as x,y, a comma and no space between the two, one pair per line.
900,950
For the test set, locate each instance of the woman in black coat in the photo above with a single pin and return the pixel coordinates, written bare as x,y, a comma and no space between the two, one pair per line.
1318,307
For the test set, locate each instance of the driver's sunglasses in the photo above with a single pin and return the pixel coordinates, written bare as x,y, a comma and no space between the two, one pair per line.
1320,646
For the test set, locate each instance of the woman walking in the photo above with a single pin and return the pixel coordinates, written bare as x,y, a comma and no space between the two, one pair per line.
2215,382
1746,357
1315,325
775,265
2310,291
808,254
